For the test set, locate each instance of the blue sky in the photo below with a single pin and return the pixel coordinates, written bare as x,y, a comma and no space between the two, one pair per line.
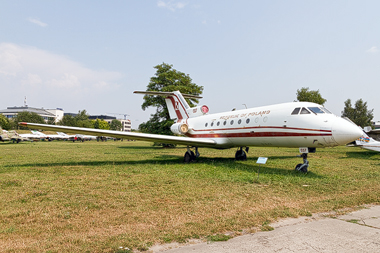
93,54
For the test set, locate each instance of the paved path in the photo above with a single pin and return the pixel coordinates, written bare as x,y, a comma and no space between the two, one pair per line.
358,231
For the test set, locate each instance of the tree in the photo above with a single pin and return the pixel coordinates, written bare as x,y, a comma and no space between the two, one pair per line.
166,79
101,124
360,115
80,120
116,125
67,120
310,96
31,117
51,121
4,122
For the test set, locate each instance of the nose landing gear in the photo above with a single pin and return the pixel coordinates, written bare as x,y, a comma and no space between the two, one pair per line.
303,166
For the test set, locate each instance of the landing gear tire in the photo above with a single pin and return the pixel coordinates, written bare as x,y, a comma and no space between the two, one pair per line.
240,155
303,166
189,157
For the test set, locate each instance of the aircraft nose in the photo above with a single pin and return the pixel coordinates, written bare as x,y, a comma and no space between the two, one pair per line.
345,131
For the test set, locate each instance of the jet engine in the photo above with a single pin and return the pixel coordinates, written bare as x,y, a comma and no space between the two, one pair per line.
179,128
197,111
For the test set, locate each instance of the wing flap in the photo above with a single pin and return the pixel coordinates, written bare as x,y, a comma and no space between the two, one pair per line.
125,135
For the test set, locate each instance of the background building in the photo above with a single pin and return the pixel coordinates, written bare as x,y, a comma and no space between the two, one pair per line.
58,113
12,112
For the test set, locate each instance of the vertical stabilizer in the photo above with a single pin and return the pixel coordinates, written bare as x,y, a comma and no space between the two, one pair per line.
177,106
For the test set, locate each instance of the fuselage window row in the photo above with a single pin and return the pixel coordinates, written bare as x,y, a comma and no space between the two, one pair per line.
232,122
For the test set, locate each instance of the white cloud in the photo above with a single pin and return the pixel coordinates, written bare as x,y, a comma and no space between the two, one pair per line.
373,50
171,5
28,70
37,22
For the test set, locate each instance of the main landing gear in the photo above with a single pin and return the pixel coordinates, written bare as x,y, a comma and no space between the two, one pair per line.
303,166
241,155
190,156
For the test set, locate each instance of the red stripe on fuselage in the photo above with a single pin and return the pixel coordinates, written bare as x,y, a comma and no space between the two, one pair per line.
243,133
261,127
256,134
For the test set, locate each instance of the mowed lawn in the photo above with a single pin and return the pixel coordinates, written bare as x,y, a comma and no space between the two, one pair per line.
99,196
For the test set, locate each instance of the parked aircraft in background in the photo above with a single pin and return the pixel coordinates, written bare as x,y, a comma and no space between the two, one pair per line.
367,142
10,136
34,136
84,137
302,125
76,137
65,136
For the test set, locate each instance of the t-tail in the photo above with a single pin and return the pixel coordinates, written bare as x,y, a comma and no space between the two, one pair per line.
178,108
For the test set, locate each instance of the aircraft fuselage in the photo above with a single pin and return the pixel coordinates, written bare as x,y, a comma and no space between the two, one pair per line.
273,126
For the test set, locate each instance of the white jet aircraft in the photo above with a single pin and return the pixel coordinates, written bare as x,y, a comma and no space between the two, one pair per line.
35,136
367,142
302,125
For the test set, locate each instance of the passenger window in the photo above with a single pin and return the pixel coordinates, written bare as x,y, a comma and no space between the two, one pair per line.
218,123
296,111
305,111
206,124
239,122
247,121
225,122
212,124
232,122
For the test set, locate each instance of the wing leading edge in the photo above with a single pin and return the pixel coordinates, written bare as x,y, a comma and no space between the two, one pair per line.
126,135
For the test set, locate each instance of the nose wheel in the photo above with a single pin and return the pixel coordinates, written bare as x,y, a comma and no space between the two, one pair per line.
303,166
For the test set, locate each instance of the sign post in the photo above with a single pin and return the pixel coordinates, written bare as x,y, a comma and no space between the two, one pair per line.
261,160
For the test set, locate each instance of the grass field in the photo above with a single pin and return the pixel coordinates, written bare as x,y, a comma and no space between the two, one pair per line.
100,196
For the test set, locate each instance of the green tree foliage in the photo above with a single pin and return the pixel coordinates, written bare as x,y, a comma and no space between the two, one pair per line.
51,121
30,117
166,79
304,94
80,120
101,124
116,125
360,115
67,120
4,122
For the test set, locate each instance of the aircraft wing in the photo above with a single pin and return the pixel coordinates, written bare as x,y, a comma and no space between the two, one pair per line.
125,135
165,94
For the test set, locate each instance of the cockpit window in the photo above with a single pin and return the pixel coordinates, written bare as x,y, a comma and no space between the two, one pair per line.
296,111
327,111
316,110
305,111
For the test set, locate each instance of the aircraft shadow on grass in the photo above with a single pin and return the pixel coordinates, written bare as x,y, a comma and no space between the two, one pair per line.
140,147
221,163
362,154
